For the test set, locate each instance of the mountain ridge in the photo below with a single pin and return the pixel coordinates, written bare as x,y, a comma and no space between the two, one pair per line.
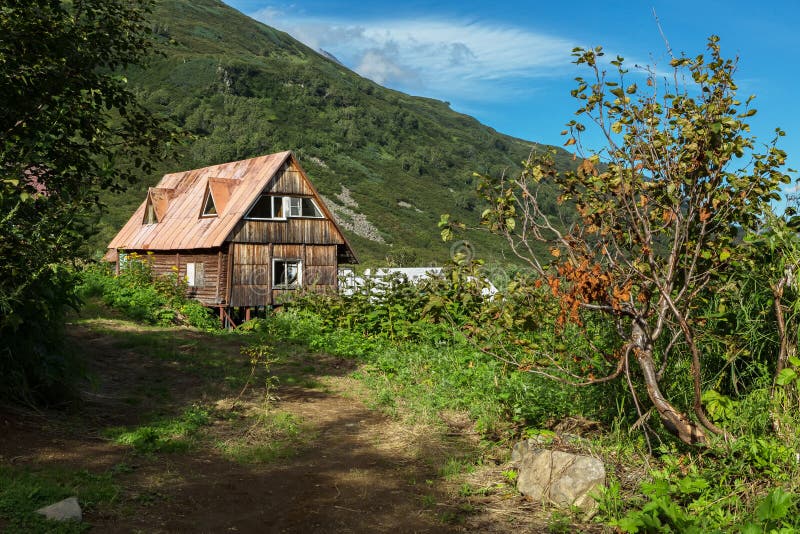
243,89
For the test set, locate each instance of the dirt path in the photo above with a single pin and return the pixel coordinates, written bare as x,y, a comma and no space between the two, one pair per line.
340,466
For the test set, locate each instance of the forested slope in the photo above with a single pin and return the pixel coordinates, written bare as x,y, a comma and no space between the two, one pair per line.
242,89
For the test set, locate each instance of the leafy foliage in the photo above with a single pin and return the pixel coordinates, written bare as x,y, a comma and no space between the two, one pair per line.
411,336
704,495
67,118
137,292
662,209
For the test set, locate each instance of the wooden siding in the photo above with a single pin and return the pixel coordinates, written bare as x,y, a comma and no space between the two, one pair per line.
212,290
251,283
310,231
251,277
289,181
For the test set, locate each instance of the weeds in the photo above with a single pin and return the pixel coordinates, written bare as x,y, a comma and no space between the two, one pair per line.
700,494
260,355
273,436
141,295
23,490
165,435
456,466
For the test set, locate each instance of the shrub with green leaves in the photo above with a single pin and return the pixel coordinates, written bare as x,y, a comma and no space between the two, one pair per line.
142,296
749,486
412,340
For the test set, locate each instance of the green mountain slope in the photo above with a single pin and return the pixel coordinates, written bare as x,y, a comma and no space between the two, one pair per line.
388,163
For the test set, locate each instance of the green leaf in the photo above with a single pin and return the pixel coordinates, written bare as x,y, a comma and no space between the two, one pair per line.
775,505
786,376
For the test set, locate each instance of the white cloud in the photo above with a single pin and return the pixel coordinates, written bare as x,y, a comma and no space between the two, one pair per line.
458,59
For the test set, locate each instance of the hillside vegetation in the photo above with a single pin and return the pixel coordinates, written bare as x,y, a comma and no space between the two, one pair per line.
243,89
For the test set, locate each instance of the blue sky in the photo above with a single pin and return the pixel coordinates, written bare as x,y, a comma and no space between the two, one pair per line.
508,63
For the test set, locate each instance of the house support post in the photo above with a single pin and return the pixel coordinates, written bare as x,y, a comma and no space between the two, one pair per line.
225,317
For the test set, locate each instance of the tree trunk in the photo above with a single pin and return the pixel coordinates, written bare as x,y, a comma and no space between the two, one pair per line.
674,420
781,396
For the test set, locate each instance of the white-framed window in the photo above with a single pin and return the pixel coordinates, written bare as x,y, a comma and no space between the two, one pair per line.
209,208
303,207
287,274
195,274
150,216
295,207
269,207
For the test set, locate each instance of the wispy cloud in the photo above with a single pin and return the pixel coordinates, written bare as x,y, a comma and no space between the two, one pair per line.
458,59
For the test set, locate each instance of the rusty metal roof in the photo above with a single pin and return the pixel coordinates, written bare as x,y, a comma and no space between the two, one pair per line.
180,197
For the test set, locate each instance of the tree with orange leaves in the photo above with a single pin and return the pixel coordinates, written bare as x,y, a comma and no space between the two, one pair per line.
661,210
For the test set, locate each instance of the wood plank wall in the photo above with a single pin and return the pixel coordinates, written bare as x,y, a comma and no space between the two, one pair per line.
252,271
293,230
215,271
289,181
251,278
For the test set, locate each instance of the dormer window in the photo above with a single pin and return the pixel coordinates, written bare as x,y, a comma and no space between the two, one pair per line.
150,213
209,208
155,208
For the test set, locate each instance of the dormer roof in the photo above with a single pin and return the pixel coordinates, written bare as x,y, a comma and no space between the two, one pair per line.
179,200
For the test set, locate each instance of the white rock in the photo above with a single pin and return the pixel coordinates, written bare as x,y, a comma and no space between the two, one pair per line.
559,478
66,510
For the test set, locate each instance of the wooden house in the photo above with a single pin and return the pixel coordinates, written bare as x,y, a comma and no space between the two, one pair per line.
244,234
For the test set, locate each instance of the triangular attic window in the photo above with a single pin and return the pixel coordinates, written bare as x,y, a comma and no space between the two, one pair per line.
150,212
209,208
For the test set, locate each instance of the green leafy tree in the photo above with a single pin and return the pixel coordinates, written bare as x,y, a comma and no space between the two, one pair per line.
67,122
662,209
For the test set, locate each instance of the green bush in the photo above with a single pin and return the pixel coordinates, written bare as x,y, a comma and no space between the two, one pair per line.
144,297
435,367
36,366
748,489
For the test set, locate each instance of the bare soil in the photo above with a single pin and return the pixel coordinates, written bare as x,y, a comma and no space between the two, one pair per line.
355,468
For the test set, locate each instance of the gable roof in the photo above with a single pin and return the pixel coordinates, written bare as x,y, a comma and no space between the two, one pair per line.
235,187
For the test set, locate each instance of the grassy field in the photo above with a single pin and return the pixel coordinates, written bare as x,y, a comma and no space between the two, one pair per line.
174,428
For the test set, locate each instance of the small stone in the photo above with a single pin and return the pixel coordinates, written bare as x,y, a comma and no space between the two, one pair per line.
66,510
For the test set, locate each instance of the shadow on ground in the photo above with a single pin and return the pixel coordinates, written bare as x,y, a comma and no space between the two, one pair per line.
352,470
